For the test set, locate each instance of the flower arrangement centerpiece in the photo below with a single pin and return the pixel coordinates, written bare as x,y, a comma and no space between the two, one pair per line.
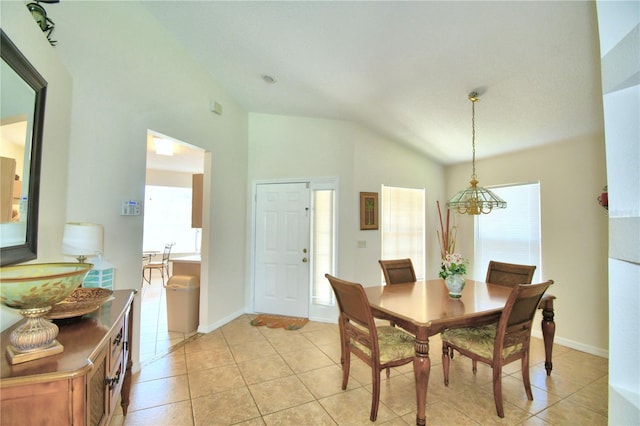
453,266
453,269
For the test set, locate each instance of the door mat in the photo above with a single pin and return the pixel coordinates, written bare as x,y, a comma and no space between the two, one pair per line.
279,321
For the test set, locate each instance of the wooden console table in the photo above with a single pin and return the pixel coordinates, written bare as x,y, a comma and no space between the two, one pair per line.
81,385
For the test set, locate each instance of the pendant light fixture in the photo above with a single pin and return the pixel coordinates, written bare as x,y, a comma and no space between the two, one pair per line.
40,15
475,199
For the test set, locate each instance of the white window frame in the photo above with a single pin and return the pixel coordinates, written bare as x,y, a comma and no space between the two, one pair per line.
321,291
324,312
413,244
518,249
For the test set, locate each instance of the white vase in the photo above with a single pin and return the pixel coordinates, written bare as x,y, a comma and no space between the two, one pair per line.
455,284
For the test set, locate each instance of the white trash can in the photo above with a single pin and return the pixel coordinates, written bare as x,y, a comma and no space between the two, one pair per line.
183,303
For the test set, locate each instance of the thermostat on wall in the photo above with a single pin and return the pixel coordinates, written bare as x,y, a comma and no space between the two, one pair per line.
130,208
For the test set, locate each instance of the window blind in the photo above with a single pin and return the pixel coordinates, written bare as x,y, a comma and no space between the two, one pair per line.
403,225
510,235
323,240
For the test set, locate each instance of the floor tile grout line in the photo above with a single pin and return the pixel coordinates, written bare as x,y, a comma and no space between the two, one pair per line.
297,375
515,374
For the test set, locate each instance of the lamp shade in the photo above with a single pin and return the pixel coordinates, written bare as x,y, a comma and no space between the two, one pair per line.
82,239
475,200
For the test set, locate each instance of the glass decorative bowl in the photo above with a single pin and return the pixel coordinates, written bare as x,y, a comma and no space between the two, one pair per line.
34,289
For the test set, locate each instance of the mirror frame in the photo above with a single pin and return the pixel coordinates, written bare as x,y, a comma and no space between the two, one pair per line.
16,60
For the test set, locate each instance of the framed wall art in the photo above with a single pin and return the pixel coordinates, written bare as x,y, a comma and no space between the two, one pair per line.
368,210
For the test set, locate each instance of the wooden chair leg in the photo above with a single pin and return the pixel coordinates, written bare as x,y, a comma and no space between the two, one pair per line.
474,366
525,376
497,390
445,362
375,398
346,366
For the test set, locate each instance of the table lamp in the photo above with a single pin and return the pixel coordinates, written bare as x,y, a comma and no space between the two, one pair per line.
82,240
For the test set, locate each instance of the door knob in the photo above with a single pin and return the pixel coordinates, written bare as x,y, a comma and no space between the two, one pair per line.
304,260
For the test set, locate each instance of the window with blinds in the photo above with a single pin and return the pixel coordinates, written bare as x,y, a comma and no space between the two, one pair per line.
402,218
510,235
323,246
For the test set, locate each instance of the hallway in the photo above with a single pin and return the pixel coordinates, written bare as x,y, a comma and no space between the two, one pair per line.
155,339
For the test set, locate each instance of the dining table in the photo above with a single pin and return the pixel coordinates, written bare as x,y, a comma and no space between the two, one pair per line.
424,308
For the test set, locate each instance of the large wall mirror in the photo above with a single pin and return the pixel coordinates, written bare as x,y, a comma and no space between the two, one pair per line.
22,103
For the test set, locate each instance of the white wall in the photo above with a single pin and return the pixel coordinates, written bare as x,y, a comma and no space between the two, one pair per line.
619,27
130,76
379,162
18,24
574,230
283,147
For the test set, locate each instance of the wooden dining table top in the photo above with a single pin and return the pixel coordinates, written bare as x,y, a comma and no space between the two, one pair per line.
426,305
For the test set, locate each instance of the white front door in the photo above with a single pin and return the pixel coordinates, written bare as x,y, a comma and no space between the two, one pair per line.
282,249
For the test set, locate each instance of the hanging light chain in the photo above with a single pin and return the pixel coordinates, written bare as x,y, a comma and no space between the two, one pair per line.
475,200
473,97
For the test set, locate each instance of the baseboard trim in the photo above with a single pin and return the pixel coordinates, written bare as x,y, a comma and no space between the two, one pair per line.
575,345
209,328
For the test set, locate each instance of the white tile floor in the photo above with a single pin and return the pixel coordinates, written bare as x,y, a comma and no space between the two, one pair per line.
155,339
230,376
250,376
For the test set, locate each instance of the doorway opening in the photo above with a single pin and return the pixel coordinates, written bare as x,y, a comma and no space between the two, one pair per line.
168,206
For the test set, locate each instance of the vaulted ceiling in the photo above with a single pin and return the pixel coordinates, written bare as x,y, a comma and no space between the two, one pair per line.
405,68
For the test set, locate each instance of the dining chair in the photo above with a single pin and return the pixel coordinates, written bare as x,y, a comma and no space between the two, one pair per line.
509,274
379,347
162,266
500,343
397,271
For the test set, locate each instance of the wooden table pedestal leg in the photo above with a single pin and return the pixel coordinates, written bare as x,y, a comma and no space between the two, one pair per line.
548,330
421,369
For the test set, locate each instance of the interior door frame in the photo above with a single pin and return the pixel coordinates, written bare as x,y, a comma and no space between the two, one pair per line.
312,182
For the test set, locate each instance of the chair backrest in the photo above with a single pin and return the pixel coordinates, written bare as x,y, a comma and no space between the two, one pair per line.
356,319
514,326
398,271
509,273
167,252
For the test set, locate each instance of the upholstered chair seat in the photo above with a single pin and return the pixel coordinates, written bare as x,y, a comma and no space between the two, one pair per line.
393,344
479,340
